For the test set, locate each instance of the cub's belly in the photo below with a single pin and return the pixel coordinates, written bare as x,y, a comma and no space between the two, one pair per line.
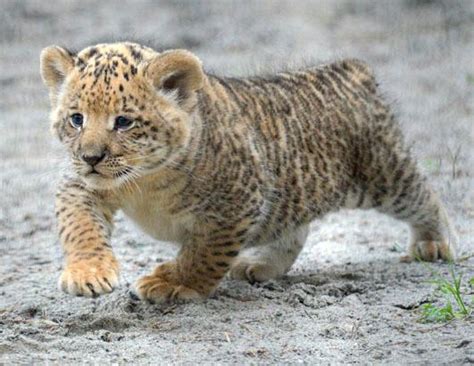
159,225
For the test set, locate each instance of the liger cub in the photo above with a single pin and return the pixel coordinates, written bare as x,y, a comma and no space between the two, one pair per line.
231,169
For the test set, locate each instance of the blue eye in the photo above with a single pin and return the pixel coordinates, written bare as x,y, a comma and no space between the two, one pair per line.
123,123
77,120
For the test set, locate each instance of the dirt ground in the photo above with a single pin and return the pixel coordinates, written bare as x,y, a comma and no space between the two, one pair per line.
347,299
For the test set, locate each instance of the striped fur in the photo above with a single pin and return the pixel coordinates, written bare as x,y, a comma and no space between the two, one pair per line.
233,170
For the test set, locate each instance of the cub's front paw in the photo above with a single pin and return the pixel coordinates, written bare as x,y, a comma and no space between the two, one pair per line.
163,286
90,278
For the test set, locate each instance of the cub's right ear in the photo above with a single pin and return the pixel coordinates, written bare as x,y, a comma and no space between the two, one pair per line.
56,63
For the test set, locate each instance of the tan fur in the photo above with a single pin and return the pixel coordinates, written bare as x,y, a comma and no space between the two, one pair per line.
231,170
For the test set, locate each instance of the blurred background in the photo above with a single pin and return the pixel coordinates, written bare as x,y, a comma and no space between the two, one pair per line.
422,52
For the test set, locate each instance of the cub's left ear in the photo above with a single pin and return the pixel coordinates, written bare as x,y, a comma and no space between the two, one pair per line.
55,64
176,71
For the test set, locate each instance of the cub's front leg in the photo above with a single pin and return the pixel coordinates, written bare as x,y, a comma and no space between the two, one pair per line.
196,272
85,227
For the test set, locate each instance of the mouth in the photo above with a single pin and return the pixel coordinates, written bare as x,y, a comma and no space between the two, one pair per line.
93,172
100,180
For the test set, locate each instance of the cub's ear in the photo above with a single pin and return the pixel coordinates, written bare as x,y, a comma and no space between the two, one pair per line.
55,63
176,71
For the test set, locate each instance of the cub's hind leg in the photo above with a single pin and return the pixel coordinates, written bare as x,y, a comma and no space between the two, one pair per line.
387,178
432,236
271,260
409,198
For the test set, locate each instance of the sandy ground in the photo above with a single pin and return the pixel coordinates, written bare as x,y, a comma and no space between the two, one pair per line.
347,299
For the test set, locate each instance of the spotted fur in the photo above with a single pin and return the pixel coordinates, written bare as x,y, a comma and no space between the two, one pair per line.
231,169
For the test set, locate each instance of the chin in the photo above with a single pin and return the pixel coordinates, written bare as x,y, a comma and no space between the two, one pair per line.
99,182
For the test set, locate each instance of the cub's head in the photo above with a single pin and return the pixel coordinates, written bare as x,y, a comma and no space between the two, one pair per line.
122,110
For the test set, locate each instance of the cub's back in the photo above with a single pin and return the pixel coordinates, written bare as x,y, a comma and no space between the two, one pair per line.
319,111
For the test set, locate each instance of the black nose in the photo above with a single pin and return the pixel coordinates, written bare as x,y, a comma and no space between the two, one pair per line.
93,160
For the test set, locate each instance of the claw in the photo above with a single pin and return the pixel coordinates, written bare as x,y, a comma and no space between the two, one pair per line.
133,296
